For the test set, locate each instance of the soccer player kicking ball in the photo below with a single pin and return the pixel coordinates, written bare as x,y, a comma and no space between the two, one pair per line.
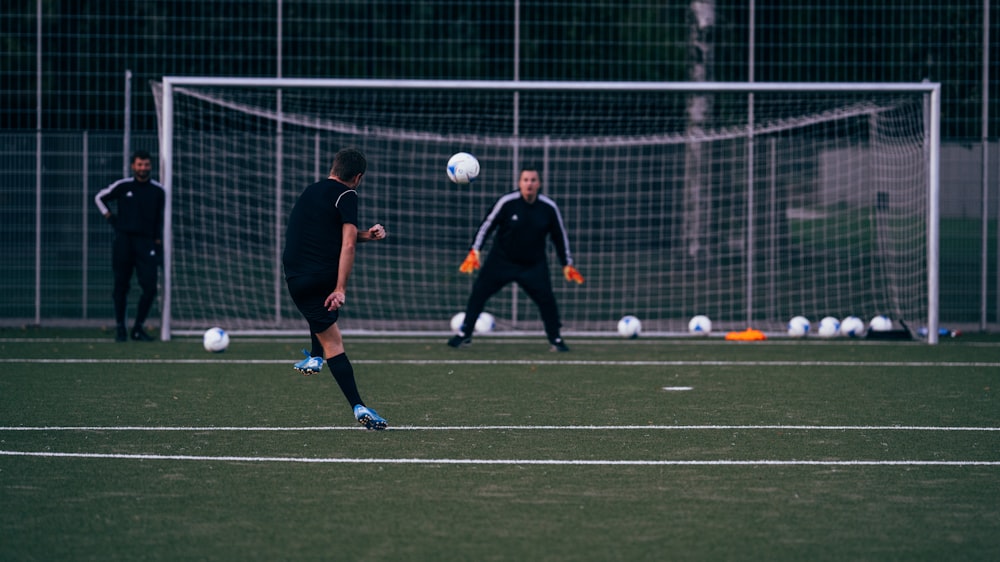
522,219
319,252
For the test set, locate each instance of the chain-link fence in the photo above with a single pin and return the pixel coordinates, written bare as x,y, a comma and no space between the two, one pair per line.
75,95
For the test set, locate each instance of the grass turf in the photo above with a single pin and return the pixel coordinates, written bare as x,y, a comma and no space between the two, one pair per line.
781,450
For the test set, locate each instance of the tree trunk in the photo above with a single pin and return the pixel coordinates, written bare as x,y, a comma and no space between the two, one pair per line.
701,27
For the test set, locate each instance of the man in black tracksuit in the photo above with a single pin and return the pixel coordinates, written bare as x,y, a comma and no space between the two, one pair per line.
138,243
522,220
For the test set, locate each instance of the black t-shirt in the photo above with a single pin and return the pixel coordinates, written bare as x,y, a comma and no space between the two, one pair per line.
315,228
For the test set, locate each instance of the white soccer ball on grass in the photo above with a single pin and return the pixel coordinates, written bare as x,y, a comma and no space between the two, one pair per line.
485,323
700,325
215,340
456,323
828,327
798,327
629,327
463,168
852,327
880,323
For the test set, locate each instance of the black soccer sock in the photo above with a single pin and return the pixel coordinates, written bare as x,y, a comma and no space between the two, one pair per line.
343,373
317,347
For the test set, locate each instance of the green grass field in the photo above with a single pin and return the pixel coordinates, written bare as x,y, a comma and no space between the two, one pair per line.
670,449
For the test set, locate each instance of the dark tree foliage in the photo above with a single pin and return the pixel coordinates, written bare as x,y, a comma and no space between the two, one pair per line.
88,45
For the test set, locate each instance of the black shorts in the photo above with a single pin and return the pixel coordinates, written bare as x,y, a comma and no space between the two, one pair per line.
309,292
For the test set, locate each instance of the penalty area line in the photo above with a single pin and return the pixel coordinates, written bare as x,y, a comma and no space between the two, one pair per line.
547,462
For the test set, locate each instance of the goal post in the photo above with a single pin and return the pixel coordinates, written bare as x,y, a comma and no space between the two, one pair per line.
747,202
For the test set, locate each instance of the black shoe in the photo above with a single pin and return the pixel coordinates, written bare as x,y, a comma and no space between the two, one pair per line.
459,341
558,345
120,334
138,334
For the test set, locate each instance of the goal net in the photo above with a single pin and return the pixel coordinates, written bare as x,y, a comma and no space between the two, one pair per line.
748,203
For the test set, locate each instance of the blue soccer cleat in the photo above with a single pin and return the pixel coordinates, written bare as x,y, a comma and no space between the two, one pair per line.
368,418
310,365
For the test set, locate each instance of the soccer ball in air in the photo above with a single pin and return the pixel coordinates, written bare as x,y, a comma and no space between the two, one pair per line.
629,327
700,325
463,168
828,327
215,340
880,323
798,327
485,323
852,327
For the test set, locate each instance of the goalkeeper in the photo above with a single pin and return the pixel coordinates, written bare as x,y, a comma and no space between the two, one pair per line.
522,220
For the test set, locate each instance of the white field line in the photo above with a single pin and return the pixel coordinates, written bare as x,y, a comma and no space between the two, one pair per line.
576,462
513,428
505,461
913,364
519,338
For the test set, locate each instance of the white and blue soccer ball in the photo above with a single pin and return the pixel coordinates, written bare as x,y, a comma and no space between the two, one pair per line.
700,325
456,323
880,323
215,340
828,327
485,323
629,327
798,327
852,327
463,168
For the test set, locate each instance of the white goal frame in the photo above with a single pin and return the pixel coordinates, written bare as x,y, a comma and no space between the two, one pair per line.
932,92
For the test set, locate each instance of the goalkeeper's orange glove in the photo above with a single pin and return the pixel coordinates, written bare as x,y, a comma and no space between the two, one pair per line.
572,274
471,262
